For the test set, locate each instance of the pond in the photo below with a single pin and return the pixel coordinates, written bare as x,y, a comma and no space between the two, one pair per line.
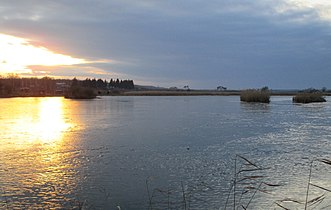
176,152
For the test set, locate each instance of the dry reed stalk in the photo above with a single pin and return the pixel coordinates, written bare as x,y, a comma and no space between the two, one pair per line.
308,97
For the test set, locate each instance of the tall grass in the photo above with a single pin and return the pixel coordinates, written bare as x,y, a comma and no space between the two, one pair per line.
249,179
316,201
255,95
308,97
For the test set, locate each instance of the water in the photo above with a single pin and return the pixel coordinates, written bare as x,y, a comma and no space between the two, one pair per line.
161,152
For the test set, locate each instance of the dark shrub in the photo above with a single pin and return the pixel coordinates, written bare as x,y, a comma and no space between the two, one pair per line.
78,92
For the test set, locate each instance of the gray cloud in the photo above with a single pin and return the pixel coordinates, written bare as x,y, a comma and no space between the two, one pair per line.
205,43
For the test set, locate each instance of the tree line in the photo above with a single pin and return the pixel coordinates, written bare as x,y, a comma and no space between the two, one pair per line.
104,84
47,86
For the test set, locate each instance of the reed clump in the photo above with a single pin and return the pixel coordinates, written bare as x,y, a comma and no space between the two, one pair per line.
255,95
308,97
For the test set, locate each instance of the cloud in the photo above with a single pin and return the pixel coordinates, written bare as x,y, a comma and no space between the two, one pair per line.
308,10
17,54
78,71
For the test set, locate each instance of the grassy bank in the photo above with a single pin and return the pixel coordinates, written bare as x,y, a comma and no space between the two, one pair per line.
247,95
180,93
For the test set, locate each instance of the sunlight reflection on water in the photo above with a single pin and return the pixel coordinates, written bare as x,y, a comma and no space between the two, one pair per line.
37,120
38,164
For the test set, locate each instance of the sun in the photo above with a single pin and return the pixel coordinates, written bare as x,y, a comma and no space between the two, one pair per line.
18,54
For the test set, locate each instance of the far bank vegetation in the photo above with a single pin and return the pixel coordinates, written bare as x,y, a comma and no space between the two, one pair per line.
256,95
15,86
79,92
309,96
89,89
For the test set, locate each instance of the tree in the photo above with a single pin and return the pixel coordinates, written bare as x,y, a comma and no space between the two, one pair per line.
324,89
12,76
265,88
74,82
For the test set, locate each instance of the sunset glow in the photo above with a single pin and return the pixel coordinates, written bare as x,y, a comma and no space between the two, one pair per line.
17,54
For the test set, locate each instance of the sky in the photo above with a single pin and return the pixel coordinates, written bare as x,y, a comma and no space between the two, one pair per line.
282,44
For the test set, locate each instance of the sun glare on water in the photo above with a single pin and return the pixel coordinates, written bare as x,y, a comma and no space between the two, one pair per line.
18,54
50,124
38,166
41,122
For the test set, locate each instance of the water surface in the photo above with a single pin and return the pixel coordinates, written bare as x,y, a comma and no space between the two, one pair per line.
113,151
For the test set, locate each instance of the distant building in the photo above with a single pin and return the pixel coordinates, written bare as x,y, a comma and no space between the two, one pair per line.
221,88
186,87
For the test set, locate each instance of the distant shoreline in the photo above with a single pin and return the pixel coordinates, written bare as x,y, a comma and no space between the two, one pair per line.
200,93
179,93
172,93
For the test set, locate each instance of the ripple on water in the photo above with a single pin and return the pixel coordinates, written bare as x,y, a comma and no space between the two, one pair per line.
114,145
